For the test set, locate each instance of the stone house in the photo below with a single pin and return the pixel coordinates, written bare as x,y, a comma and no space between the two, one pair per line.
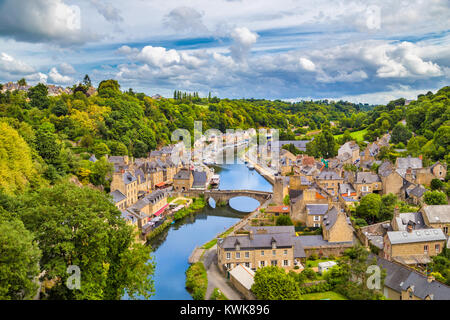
280,189
300,198
127,184
391,180
183,180
436,171
119,199
437,216
367,182
370,153
315,213
412,247
337,226
262,246
349,152
329,180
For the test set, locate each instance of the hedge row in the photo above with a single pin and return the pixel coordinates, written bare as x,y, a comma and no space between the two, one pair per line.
197,281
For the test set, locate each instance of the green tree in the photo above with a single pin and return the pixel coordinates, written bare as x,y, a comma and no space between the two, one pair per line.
19,260
100,149
273,283
80,226
369,207
39,96
387,206
400,133
108,89
22,82
17,171
435,198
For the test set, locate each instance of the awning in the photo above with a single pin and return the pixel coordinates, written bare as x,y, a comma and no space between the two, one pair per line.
157,213
161,184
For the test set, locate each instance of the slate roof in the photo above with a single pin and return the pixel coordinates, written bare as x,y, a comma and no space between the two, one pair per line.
273,229
400,237
128,177
199,179
329,175
344,188
437,213
117,196
385,169
367,177
330,218
413,218
259,241
418,191
409,162
316,209
299,251
317,240
183,174
400,278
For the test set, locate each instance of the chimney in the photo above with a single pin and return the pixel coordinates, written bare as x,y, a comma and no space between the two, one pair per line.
251,235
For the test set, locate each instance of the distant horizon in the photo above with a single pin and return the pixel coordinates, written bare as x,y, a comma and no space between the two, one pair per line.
285,50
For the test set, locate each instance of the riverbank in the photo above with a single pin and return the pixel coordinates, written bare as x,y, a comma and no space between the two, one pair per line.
193,206
264,172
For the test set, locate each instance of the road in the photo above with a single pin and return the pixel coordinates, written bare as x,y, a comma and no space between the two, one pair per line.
216,279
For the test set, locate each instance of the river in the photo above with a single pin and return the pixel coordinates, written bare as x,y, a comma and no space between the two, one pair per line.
173,247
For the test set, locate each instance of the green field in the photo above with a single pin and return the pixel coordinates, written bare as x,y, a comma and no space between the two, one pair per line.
328,295
357,135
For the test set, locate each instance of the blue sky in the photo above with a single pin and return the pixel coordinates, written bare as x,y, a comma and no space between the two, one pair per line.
361,51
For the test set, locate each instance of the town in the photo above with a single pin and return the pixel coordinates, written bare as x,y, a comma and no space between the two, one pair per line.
318,195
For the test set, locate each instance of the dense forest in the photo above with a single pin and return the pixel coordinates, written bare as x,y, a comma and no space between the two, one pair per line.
45,141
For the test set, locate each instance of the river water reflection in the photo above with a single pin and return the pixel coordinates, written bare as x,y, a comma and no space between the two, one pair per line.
173,247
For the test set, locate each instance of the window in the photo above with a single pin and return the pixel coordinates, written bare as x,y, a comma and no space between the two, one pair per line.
285,263
228,266
262,253
316,218
228,256
445,229
238,255
247,264
425,249
261,263
274,262
316,225
438,248
274,252
285,252
364,188
247,254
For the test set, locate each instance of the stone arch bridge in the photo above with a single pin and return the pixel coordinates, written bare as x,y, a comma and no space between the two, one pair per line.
224,196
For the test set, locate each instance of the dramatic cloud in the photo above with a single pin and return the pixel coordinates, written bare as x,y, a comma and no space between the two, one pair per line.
41,21
269,49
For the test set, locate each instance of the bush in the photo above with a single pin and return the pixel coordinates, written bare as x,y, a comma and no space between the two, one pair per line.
320,287
436,184
313,256
310,273
284,220
197,281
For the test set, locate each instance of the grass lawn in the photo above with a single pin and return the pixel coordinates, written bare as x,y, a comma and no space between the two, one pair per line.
357,135
328,295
